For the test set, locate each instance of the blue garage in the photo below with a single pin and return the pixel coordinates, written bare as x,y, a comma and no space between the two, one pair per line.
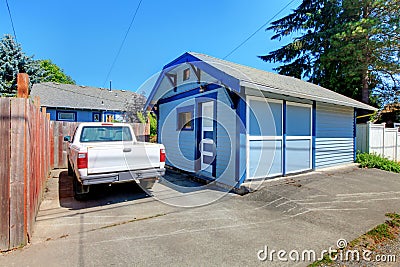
231,123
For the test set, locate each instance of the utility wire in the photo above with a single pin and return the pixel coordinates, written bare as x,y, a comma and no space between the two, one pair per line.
122,44
261,27
12,23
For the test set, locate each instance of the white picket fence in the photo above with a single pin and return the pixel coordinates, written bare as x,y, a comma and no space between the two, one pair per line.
376,138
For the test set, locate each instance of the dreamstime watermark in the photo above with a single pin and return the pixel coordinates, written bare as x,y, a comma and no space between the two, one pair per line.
340,253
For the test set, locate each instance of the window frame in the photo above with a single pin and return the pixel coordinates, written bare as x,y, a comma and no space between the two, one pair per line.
59,112
94,115
179,124
186,74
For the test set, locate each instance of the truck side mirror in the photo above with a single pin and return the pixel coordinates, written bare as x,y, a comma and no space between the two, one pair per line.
67,138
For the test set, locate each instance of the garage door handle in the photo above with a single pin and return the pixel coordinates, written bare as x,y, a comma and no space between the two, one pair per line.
127,150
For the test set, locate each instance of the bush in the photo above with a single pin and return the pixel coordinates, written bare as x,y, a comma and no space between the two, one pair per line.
375,161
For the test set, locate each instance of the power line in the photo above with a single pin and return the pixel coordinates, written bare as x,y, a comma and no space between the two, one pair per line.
12,23
122,44
261,27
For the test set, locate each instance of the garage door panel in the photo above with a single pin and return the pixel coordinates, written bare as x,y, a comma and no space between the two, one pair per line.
298,155
298,120
265,158
265,118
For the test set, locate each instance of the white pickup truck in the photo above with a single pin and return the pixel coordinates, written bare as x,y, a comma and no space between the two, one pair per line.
104,153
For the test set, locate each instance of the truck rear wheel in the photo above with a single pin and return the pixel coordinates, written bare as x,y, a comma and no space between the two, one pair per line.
81,191
147,183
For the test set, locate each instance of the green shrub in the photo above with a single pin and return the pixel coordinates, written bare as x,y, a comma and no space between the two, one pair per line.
375,161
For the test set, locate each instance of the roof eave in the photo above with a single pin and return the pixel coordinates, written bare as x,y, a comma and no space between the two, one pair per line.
280,91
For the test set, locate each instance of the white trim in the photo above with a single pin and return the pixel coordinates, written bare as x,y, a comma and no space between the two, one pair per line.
263,99
298,104
261,138
264,138
247,137
266,177
302,137
298,137
297,171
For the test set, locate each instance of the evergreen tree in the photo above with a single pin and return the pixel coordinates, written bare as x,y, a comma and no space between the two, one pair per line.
54,73
349,46
13,61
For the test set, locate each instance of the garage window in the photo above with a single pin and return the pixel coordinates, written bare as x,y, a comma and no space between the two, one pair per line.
66,116
185,120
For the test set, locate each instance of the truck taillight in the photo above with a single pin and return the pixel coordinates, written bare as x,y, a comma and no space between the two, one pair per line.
82,161
162,155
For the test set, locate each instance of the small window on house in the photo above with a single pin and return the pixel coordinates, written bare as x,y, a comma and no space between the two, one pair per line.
186,74
96,117
66,116
185,119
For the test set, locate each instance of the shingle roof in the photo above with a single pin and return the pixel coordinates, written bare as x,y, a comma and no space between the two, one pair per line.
83,97
280,84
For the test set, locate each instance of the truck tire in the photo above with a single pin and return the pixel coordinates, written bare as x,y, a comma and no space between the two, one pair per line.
81,192
147,183
70,170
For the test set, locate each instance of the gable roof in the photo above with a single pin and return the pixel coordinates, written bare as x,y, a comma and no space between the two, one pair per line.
83,97
235,75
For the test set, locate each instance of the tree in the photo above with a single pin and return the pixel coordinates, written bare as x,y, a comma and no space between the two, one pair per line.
13,61
54,73
349,46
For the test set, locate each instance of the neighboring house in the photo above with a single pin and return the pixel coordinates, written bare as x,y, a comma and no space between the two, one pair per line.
67,102
221,120
390,114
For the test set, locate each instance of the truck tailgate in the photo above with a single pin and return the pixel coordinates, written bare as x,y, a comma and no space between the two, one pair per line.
116,158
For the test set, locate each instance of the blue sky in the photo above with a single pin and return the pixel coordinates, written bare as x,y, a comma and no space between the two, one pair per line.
83,37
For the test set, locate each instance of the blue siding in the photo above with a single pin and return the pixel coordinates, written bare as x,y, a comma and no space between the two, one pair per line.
179,145
334,135
226,140
52,113
82,115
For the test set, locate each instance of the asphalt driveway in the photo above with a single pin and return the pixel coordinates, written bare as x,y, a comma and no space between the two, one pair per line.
123,226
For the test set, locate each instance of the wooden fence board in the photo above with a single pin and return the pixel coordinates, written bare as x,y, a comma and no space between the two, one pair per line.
17,190
25,143
5,127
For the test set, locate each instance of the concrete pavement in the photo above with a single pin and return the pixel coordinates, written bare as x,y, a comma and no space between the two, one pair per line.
123,226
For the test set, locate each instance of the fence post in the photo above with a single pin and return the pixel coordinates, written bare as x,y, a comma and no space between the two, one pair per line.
5,127
368,137
22,85
383,138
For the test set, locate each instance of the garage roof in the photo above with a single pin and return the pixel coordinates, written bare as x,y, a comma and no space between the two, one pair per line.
234,76
279,84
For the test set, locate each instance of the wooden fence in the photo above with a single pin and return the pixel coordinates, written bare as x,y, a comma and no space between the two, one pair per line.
61,129
376,138
25,162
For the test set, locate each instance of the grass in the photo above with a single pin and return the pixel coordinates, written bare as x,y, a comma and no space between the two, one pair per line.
380,234
375,161
324,262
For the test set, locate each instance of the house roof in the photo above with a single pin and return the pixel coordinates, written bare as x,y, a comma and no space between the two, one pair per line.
82,97
240,75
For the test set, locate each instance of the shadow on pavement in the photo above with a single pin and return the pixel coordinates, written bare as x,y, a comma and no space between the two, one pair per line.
99,195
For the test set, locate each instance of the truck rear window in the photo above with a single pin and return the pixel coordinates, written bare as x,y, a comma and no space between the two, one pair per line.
105,134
